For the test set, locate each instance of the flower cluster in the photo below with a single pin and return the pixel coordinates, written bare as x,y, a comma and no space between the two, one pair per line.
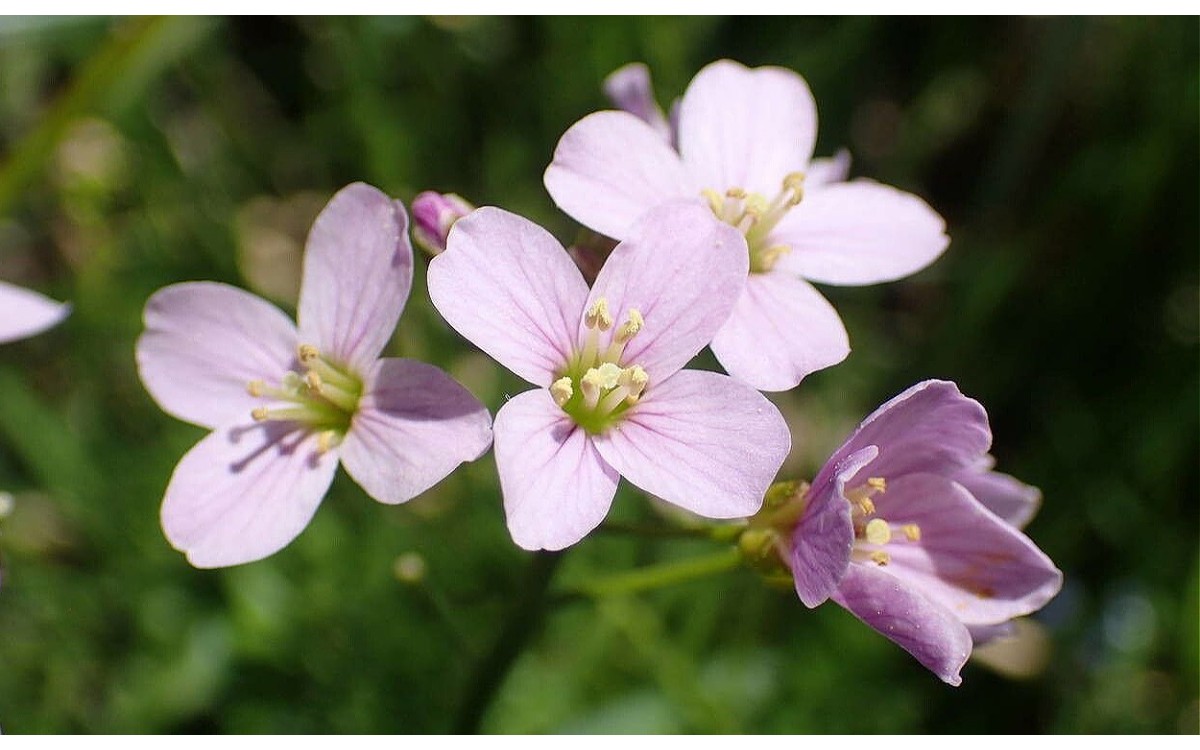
719,220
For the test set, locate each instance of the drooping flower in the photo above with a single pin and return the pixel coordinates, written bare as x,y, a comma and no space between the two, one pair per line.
743,144
612,398
285,404
24,313
433,215
890,530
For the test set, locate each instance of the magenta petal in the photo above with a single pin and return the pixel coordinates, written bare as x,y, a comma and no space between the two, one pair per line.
508,286
930,427
415,424
747,128
357,275
781,330
683,271
824,538
556,486
24,313
860,232
629,89
204,343
967,559
610,167
702,441
923,628
243,493
1015,502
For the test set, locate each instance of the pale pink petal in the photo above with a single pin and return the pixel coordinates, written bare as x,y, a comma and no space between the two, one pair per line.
1008,497
610,167
781,330
629,88
922,627
824,538
508,286
967,559
24,313
747,128
357,275
702,441
859,232
822,172
683,270
203,344
556,486
244,492
413,426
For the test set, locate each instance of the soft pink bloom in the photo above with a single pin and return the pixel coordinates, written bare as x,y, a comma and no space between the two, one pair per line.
285,405
743,147
24,313
891,531
612,400
433,215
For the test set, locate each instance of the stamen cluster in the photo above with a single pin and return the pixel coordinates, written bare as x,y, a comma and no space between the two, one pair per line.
755,216
606,389
323,399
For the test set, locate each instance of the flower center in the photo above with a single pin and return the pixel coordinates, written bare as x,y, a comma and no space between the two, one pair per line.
871,532
755,216
323,398
596,390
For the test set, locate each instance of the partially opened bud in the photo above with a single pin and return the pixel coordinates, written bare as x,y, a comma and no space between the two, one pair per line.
433,214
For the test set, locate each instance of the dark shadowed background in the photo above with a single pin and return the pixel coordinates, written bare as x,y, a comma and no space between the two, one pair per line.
140,152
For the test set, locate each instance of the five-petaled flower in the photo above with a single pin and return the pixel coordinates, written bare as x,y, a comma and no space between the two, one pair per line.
285,404
614,400
743,139
24,313
891,531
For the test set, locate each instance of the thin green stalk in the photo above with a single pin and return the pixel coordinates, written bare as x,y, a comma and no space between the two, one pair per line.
658,576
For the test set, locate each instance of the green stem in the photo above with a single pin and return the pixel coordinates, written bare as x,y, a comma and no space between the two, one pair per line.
720,533
522,625
659,576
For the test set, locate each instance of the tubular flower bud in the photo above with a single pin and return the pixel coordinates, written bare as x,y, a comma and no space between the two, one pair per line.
433,215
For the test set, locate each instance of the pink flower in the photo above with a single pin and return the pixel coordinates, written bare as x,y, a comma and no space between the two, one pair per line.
613,400
285,405
24,313
433,215
744,141
891,531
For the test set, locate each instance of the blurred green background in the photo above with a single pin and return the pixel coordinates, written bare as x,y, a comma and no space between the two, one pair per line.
139,152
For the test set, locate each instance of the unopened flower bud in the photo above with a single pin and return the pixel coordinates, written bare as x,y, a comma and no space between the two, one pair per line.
433,214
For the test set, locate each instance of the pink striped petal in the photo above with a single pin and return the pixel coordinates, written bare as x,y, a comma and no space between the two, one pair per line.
859,232
556,486
922,627
1015,502
357,275
610,167
781,330
24,313
245,492
414,425
203,344
508,286
702,441
683,270
747,128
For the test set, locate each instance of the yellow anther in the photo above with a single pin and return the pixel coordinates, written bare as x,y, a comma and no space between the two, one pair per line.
879,484
912,531
865,505
793,181
880,558
255,388
562,390
633,323
756,205
260,414
326,441
606,376
313,381
736,193
716,201
598,316
307,352
878,531
634,379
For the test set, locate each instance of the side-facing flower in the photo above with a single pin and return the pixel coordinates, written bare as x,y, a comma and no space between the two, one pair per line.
287,403
744,143
24,313
433,215
613,400
890,531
